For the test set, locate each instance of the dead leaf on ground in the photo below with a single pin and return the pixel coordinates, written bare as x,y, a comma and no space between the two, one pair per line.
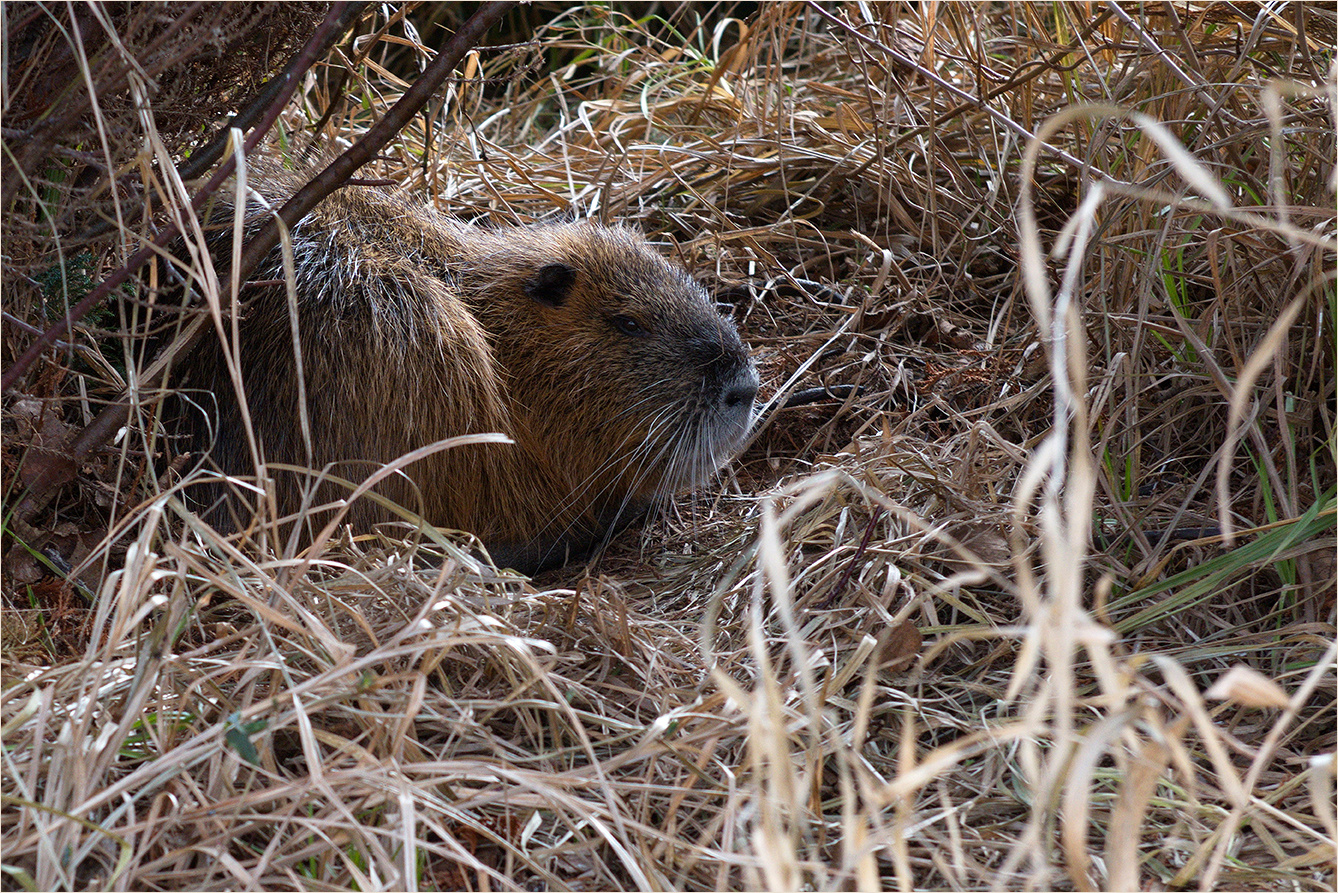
899,648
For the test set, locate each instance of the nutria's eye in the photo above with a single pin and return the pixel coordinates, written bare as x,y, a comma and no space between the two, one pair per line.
628,326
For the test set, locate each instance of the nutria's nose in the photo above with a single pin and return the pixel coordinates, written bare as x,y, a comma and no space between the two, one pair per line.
741,392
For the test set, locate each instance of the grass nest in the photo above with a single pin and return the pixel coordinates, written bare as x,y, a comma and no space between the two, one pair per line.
1031,586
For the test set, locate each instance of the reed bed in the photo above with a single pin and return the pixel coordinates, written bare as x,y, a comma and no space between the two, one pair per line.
1026,579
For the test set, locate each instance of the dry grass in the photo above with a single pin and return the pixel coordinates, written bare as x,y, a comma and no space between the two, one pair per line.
1046,600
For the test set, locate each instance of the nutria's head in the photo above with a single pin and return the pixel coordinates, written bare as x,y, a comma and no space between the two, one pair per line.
617,362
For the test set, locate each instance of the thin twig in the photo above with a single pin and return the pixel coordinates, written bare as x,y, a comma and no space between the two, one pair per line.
377,136
310,53
327,181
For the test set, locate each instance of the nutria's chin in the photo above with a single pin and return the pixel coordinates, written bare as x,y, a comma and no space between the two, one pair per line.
609,367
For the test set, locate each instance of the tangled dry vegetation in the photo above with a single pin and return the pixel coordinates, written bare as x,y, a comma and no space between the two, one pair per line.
1033,588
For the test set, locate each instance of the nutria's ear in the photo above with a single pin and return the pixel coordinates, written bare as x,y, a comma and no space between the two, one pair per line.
551,285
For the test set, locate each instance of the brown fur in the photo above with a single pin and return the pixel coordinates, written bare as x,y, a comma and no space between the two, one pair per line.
610,369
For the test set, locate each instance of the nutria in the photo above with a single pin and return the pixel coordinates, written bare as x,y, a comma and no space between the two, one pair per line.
611,370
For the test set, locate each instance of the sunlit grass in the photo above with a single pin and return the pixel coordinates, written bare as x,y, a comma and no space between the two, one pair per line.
953,625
